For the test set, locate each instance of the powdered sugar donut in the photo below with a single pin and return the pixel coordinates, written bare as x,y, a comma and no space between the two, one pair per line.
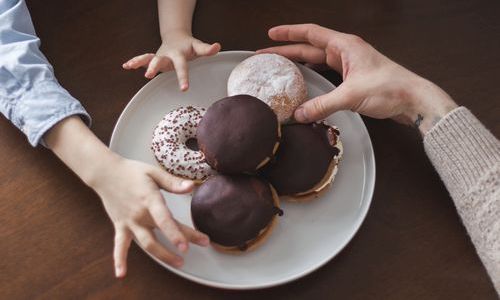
175,146
273,79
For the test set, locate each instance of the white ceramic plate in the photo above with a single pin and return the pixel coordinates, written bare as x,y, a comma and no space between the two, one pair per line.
308,235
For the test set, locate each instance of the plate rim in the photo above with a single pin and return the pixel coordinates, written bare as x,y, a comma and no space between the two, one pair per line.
368,190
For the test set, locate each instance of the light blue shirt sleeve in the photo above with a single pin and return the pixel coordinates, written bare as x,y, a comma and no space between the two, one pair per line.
30,96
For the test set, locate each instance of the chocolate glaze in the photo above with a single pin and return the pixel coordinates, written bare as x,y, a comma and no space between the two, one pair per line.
243,247
232,210
303,158
237,133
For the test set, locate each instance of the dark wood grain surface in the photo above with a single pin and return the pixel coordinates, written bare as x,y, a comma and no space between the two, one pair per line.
56,240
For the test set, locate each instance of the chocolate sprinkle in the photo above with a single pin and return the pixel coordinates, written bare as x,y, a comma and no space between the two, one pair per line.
174,143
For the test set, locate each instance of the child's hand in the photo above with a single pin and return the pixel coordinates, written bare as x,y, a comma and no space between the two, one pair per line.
173,53
130,191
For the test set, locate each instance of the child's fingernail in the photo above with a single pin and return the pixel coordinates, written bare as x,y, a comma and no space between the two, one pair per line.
119,271
184,86
204,241
178,262
300,114
185,184
182,247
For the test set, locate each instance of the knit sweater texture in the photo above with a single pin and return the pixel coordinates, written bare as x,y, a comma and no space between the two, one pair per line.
467,158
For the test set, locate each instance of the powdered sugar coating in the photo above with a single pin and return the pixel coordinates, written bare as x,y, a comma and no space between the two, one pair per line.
169,144
273,79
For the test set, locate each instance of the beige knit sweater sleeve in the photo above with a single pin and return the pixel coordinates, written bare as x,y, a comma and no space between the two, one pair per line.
467,157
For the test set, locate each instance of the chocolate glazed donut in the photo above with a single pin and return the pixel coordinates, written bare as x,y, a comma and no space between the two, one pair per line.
304,159
234,211
238,134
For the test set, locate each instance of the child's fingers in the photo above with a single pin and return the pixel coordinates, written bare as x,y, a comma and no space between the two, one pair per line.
148,241
204,49
194,236
120,251
157,64
138,61
181,69
153,67
164,220
170,182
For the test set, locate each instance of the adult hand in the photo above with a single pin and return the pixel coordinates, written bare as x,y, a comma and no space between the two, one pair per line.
176,49
373,85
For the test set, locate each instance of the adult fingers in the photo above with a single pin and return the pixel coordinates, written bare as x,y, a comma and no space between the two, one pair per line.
170,182
164,220
123,239
157,64
194,235
320,107
318,67
314,34
181,69
138,61
299,52
203,49
147,240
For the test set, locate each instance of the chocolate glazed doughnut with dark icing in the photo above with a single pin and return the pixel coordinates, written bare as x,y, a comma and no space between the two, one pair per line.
303,158
238,134
233,210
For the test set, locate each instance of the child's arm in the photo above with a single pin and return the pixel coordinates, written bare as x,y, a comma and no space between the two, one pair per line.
178,45
33,100
130,192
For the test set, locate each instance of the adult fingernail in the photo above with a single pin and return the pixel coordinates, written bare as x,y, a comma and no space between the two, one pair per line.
184,87
300,114
182,247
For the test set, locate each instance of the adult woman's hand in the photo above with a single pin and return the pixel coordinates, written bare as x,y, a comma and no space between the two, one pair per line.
373,84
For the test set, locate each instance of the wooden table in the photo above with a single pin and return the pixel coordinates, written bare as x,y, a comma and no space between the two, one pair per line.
56,240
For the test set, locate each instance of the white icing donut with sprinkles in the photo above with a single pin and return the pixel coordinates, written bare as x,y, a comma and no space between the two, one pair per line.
175,147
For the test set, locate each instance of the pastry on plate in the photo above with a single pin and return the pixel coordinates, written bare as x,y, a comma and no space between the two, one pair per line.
237,212
306,161
273,79
238,134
